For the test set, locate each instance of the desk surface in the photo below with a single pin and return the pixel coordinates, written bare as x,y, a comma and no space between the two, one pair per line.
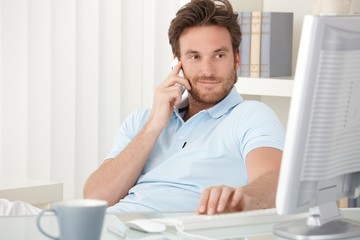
24,227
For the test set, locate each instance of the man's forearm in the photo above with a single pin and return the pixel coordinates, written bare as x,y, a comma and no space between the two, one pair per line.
113,179
261,193
258,194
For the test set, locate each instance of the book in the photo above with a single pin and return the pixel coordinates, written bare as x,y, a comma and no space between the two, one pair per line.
255,44
245,27
343,203
276,44
352,202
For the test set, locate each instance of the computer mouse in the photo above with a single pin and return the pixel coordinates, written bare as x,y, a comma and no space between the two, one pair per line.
146,225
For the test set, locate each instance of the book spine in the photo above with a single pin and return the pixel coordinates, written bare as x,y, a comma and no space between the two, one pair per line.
352,202
255,44
265,44
276,44
343,203
245,26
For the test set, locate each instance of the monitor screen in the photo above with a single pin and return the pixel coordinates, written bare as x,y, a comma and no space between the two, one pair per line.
321,159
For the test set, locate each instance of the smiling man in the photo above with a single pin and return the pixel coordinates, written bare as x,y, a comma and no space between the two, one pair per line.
210,64
211,151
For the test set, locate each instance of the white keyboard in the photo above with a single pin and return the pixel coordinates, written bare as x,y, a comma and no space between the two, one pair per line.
194,222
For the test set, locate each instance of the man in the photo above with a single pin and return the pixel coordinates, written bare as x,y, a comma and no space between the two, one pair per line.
211,152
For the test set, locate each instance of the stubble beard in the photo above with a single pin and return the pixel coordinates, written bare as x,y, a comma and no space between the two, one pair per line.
212,98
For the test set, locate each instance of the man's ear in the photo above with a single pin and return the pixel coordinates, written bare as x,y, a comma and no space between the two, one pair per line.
237,60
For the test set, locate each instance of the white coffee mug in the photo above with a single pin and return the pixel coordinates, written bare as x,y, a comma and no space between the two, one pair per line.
79,219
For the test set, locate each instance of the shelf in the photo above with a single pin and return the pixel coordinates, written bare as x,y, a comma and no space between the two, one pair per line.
35,192
276,87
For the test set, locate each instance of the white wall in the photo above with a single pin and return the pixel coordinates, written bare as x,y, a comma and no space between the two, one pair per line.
70,71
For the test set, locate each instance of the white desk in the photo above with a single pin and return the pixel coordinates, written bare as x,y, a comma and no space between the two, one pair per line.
21,228
35,192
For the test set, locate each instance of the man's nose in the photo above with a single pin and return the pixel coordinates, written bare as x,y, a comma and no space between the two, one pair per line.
207,67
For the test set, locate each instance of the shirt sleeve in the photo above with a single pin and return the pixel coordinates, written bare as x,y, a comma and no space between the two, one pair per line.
263,129
127,131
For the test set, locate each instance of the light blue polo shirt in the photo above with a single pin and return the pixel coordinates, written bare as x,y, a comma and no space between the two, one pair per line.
207,150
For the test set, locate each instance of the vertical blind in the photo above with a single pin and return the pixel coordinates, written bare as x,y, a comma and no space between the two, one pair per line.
70,71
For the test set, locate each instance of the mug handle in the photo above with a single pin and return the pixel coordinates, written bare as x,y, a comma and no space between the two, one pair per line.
38,223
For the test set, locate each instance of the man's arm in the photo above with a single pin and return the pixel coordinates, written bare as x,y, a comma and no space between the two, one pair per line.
113,179
263,166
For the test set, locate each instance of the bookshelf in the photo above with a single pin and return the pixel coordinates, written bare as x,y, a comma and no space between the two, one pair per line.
275,92
274,87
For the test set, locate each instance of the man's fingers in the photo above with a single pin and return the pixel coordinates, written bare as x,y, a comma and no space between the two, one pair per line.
215,200
176,79
176,69
237,200
215,193
224,199
203,201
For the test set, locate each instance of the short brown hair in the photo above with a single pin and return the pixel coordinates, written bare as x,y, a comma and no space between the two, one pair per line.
202,13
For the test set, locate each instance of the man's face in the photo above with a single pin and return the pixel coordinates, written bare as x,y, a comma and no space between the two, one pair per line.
209,63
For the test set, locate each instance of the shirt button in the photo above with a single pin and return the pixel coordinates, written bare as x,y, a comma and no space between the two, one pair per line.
181,137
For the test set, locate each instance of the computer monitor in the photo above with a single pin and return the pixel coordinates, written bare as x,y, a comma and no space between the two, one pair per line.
321,158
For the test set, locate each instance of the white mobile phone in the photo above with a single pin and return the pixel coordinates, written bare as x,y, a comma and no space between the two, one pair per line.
181,73
174,63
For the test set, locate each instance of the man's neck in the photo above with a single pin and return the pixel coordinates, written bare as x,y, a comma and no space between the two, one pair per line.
194,108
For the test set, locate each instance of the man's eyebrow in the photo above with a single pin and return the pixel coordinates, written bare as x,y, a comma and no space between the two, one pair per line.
191,52
222,49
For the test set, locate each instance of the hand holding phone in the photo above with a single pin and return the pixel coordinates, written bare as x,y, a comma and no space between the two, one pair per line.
181,73
174,63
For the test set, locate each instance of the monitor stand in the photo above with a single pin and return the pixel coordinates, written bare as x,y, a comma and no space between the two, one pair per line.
325,223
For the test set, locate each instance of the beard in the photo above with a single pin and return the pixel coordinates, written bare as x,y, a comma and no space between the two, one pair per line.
207,97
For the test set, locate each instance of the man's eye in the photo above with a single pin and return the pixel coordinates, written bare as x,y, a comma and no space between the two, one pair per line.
220,55
194,57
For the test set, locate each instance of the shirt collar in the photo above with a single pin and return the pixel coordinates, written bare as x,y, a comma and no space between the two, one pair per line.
230,101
